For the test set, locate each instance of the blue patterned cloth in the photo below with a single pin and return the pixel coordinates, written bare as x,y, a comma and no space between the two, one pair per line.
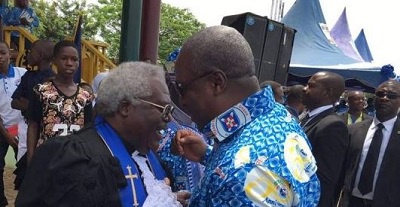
13,18
3,12
186,173
261,158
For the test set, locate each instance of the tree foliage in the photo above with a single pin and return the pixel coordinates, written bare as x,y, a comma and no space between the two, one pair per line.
58,19
176,26
102,22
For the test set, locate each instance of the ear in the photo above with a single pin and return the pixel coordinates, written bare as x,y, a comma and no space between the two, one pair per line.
124,108
219,81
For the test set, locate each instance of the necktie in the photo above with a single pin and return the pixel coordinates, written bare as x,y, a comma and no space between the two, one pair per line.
368,170
304,120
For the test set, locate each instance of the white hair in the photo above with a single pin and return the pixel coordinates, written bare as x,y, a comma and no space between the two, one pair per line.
129,81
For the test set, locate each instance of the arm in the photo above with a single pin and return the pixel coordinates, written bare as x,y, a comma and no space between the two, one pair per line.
35,22
32,138
330,151
12,18
20,95
34,116
189,145
10,139
20,104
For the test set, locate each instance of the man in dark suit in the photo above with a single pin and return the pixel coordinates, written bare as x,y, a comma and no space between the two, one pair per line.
356,102
382,186
327,132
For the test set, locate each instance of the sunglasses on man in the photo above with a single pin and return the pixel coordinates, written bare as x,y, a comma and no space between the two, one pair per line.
389,95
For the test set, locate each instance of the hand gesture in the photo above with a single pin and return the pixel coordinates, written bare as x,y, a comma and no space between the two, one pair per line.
189,145
183,197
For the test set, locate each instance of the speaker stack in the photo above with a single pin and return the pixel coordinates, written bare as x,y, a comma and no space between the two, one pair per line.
270,41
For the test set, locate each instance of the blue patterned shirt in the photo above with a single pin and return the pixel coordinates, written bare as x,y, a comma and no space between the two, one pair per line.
262,158
13,18
186,173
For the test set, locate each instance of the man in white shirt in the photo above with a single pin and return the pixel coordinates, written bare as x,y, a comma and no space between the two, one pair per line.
12,125
372,165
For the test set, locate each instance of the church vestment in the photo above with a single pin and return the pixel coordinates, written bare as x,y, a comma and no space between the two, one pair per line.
84,169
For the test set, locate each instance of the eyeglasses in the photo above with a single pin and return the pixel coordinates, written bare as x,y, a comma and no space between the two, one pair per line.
182,87
166,110
390,95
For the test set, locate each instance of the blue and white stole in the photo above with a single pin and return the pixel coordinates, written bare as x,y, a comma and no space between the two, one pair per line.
134,194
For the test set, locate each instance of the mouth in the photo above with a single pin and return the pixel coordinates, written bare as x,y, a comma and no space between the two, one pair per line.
70,71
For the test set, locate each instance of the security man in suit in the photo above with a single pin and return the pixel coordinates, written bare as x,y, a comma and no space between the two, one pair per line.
327,133
372,167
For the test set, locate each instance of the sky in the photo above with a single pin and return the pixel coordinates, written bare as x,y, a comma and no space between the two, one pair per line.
377,18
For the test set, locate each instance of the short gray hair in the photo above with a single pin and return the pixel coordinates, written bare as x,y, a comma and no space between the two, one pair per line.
129,81
220,47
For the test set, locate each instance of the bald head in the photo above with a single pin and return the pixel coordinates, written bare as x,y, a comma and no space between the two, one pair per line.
323,88
220,47
334,83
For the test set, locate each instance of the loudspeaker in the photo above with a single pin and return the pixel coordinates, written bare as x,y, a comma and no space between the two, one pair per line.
270,41
285,54
253,28
272,44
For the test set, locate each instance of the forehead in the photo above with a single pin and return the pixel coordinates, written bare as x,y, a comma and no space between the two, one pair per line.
390,86
67,51
316,80
183,65
159,90
356,94
3,46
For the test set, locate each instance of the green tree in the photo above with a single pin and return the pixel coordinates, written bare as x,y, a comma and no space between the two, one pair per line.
102,22
58,19
176,25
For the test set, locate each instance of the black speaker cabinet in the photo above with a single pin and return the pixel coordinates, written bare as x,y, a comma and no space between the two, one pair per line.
253,28
285,54
270,41
272,44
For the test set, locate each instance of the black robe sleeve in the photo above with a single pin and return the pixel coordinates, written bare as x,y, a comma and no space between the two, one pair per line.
77,170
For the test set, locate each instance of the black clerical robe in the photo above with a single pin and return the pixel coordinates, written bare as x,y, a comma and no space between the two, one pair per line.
77,170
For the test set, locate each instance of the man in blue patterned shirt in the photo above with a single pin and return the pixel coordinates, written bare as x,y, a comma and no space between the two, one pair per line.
261,156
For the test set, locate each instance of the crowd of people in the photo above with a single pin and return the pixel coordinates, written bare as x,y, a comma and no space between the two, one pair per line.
211,136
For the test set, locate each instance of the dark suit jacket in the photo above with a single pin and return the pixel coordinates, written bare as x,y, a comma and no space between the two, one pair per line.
329,140
387,188
345,116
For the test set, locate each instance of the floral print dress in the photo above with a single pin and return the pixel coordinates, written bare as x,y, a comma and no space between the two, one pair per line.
58,114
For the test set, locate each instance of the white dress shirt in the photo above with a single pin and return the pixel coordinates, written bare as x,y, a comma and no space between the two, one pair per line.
367,142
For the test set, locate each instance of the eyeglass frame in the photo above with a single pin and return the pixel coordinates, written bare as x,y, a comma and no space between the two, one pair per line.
389,95
166,110
182,87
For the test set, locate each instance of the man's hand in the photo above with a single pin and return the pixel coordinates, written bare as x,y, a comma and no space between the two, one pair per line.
12,141
183,197
189,145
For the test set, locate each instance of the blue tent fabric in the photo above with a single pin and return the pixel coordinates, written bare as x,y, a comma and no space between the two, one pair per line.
314,52
340,32
362,47
311,46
